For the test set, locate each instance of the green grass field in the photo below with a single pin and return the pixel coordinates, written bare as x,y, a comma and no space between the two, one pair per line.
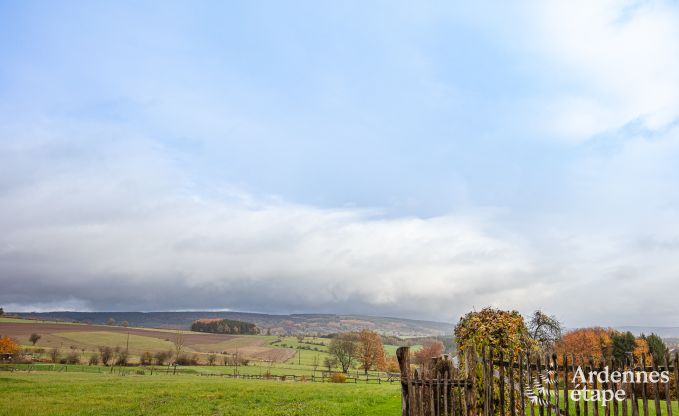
651,407
46,393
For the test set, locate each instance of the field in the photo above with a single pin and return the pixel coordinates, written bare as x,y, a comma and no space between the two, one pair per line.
49,393
266,354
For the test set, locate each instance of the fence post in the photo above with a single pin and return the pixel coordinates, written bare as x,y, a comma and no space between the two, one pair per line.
403,356
470,391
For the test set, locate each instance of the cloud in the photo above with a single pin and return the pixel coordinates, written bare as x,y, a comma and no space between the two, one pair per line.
107,238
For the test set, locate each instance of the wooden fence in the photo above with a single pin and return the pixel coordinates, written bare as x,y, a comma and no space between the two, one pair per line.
533,385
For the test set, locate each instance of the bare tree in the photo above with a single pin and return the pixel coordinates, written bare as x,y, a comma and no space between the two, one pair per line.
329,363
54,355
178,342
315,363
344,348
544,329
105,354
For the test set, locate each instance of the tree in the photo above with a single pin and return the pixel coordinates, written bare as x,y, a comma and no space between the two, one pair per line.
503,330
105,354
315,363
329,363
111,322
656,347
125,324
370,350
641,350
94,359
584,342
54,355
430,348
161,357
121,356
2,311
211,358
178,342
8,346
146,358
344,348
34,338
622,344
544,329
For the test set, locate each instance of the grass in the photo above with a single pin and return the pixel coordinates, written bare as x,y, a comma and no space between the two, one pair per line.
105,394
572,405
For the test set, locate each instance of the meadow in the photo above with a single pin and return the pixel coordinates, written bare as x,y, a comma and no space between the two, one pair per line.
51,393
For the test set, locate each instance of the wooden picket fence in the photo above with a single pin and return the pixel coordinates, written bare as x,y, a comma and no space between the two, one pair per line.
530,385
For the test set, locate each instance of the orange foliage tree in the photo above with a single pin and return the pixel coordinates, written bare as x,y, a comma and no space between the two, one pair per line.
8,346
585,342
430,348
370,350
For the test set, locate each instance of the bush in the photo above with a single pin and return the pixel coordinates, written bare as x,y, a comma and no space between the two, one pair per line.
94,359
146,358
338,378
184,359
72,358
161,357
122,357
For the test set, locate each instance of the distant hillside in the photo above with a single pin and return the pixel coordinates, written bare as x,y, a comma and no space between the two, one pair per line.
276,324
661,331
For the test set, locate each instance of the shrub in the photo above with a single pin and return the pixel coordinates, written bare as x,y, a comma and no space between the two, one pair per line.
161,357
54,355
94,359
72,358
105,354
184,359
338,378
121,358
146,358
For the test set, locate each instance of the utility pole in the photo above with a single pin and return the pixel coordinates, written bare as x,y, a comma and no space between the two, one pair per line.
127,347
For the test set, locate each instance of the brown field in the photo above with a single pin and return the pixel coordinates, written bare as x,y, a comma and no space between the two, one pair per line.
66,336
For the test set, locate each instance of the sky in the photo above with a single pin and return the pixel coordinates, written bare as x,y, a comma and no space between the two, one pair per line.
409,159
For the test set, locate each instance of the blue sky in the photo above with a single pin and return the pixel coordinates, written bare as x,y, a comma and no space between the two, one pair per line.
389,158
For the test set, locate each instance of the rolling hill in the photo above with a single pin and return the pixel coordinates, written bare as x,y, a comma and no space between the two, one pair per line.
275,324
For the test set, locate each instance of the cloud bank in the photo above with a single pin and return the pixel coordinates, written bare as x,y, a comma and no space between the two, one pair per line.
418,163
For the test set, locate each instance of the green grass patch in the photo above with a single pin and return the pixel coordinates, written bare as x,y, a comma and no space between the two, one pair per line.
104,394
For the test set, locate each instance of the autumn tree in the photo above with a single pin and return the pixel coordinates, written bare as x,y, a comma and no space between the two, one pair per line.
8,346
585,342
391,364
641,350
370,350
344,348
34,338
503,330
430,348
